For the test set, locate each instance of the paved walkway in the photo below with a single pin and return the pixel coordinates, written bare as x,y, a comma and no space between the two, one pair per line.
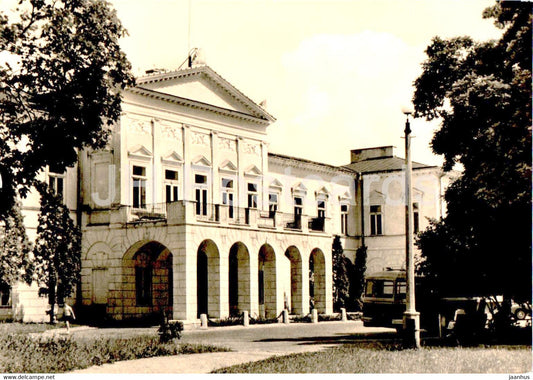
251,343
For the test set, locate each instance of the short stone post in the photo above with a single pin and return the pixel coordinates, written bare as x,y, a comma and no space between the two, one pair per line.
314,316
285,316
246,319
203,321
344,318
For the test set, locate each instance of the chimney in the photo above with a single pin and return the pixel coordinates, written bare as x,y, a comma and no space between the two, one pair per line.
371,153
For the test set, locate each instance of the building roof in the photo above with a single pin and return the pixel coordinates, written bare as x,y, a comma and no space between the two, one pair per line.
148,84
307,162
382,164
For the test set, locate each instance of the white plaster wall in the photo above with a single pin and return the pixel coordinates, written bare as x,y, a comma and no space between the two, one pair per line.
387,190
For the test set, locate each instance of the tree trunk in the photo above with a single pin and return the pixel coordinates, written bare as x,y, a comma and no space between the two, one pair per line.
52,294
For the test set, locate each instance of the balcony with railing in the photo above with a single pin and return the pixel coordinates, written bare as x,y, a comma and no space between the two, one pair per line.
193,212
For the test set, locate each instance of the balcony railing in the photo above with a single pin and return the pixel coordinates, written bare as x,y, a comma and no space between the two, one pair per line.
317,224
191,211
150,212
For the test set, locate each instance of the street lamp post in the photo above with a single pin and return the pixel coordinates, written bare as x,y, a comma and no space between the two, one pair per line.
411,318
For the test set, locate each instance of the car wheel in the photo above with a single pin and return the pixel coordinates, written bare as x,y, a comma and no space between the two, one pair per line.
520,314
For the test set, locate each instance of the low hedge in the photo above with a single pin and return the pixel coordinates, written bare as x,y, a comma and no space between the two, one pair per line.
27,354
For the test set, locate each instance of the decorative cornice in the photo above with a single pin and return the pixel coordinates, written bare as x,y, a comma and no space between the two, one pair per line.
282,160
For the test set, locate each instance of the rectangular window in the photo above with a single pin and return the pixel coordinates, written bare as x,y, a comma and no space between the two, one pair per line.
344,219
321,208
298,210
252,195
201,194
55,182
201,201
227,183
200,179
143,285
171,186
228,196
298,206
416,221
272,203
139,187
5,295
376,220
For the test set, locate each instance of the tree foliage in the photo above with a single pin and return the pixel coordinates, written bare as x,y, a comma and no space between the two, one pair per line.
481,91
358,278
60,85
57,248
15,249
341,279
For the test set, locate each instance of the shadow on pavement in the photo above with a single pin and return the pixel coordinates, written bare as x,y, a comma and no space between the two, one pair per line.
338,339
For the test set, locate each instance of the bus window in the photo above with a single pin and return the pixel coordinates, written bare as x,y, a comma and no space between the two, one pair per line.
401,289
379,289
369,288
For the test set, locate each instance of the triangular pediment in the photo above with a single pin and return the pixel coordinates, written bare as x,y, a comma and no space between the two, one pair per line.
376,196
275,184
228,166
417,194
253,171
345,197
172,157
299,189
201,161
203,85
322,192
139,151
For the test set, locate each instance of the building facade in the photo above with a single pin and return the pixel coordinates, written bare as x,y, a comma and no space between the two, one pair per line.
382,180
187,212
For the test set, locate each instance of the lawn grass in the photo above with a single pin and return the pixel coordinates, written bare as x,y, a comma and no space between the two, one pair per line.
35,353
378,358
27,328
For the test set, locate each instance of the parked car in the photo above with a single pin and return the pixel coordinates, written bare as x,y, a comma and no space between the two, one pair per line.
521,311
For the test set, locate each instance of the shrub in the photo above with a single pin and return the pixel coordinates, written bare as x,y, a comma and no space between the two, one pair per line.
262,321
229,321
169,330
27,354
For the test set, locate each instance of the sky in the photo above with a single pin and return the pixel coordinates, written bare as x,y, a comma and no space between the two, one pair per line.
335,74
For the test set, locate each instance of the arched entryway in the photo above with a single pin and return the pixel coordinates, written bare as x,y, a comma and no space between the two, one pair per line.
293,254
208,279
267,282
317,280
239,279
148,280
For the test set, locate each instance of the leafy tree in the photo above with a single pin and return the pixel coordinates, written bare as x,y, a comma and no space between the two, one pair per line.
57,249
15,249
358,277
482,93
341,279
60,86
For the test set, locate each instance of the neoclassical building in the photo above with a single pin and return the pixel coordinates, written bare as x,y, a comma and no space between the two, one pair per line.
187,212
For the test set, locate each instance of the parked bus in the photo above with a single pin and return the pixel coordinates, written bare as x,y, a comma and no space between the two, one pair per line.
384,303
384,299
